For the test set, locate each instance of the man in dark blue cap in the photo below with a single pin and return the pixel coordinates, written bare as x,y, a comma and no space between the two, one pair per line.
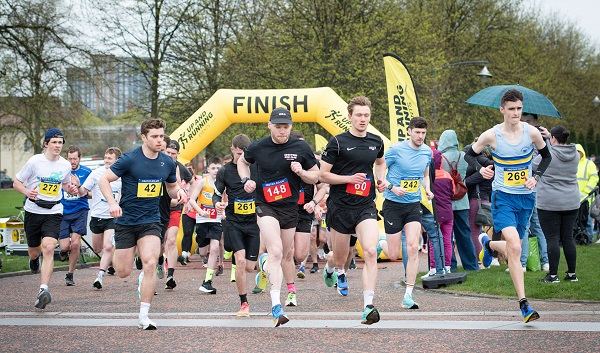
42,180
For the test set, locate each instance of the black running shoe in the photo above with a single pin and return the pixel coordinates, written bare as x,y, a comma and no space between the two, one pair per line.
315,268
219,271
181,260
170,283
69,280
110,270
43,298
550,279
571,278
138,263
352,264
34,265
63,256
208,288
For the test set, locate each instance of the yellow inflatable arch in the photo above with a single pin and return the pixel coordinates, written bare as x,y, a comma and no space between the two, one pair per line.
317,105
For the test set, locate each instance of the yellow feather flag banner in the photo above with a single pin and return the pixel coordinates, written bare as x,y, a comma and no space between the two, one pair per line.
320,143
403,104
402,97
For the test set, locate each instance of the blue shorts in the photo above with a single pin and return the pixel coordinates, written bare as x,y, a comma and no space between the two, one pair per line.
512,210
73,223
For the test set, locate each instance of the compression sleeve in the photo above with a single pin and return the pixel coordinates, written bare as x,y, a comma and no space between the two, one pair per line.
219,186
471,159
545,162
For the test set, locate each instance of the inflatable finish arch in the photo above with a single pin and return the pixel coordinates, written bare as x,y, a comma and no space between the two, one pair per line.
319,105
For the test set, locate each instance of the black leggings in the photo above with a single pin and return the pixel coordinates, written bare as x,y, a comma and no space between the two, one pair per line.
188,224
559,225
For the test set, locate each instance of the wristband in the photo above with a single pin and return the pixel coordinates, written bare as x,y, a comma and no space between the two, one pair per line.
316,203
389,187
244,180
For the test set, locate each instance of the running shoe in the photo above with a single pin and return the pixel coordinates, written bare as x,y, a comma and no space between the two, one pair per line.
321,253
146,324
278,315
431,273
379,249
181,260
98,283
244,310
262,261
170,283
256,290
34,265
63,256
69,280
329,278
572,278
550,279
110,270
207,287
232,276
160,271
495,262
227,255
291,299
315,268
261,280
352,264
300,273
219,271
409,303
529,314
138,263
139,288
43,298
342,285
484,256
204,260
370,315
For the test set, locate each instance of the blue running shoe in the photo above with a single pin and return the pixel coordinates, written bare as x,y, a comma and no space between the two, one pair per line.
279,316
379,249
409,303
529,314
484,256
370,315
262,261
342,285
329,278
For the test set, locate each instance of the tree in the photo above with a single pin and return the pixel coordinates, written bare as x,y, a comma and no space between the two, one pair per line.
35,49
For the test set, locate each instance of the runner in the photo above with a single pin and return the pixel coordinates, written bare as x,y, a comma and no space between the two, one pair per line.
241,234
75,213
283,162
347,165
186,178
208,221
408,170
142,172
102,224
42,180
512,144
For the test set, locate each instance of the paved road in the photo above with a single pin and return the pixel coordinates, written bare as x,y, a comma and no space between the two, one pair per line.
84,319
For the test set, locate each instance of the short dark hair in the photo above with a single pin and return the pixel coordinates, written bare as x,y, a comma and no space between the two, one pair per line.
560,133
73,149
152,124
241,141
214,160
417,122
512,95
114,150
297,134
167,140
360,100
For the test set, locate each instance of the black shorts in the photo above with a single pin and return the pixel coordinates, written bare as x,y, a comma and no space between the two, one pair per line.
344,219
305,222
38,226
207,231
73,223
242,236
126,237
100,225
396,215
287,216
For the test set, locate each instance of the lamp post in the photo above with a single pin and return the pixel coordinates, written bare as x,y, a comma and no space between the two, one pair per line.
484,76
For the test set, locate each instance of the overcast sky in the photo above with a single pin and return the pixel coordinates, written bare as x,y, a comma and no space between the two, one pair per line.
584,13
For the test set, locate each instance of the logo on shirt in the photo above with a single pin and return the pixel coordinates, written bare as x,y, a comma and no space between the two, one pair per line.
350,148
372,148
290,156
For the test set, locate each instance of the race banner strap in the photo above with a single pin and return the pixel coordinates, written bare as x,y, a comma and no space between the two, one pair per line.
402,97
320,143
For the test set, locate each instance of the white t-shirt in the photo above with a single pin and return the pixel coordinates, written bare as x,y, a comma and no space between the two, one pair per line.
98,205
48,176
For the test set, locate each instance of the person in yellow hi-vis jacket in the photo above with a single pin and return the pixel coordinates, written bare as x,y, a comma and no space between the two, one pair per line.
587,178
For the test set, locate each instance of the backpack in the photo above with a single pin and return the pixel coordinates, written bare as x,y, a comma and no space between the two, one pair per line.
460,189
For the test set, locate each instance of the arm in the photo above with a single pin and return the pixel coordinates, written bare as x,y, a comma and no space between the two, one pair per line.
326,176
311,206
176,192
310,176
540,144
243,168
427,184
194,198
217,197
379,173
20,187
104,185
486,138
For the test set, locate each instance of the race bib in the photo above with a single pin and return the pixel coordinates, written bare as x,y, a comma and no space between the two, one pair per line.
323,223
149,187
361,189
277,190
515,176
301,197
244,206
212,211
69,197
410,184
48,188
115,196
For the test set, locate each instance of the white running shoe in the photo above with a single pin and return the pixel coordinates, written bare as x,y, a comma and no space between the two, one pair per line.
431,273
146,324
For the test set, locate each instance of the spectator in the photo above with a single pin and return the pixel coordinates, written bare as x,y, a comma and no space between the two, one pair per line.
587,179
443,187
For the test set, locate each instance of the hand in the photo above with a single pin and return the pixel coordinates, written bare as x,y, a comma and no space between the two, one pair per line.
487,172
115,211
181,197
381,186
220,206
399,191
75,180
250,186
530,182
357,178
545,133
296,168
73,189
430,195
318,213
309,207
32,193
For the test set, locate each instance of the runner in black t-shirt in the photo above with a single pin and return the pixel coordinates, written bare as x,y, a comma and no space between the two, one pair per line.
241,232
347,165
283,161
142,172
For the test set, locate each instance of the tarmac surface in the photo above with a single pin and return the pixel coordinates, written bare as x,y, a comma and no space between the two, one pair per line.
84,319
